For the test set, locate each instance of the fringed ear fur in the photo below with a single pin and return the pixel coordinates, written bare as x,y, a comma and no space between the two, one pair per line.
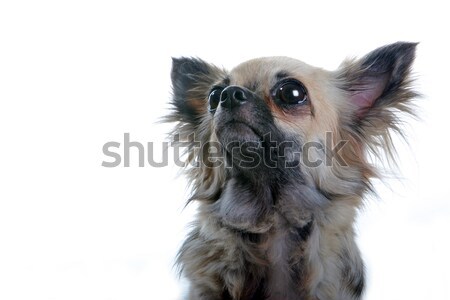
192,79
378,90
380,80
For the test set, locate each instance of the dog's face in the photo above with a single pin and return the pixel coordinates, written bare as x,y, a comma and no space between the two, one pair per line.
267,95
273,106
271,114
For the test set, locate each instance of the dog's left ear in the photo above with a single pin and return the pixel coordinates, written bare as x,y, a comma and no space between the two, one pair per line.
378,84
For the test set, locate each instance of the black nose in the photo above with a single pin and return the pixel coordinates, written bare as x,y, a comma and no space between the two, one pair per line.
233,96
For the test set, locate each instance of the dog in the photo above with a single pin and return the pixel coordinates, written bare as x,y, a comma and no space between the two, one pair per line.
278,157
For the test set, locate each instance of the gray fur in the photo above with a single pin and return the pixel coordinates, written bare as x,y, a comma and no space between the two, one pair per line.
284,233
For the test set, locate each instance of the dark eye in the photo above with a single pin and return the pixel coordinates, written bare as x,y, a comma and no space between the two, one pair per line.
214,98
290,91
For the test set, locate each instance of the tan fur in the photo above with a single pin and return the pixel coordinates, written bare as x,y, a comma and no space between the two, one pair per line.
302,245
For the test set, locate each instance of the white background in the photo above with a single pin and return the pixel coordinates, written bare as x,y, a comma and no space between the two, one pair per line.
77,74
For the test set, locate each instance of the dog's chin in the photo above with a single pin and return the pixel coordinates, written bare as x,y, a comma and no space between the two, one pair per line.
234,132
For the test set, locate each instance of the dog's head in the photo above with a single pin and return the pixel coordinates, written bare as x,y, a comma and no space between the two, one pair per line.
272,117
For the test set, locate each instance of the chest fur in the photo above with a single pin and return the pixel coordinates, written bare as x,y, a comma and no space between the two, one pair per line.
286,252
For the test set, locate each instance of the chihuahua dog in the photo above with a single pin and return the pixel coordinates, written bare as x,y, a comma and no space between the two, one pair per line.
278,157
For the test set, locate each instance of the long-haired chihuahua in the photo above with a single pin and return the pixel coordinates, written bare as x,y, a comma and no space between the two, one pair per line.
278,156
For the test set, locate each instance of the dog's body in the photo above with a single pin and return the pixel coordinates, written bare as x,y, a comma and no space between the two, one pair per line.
282,170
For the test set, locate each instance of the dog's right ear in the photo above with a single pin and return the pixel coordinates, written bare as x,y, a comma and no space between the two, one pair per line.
192,80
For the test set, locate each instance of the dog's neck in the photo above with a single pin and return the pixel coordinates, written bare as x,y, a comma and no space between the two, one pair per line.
250,200
280,215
